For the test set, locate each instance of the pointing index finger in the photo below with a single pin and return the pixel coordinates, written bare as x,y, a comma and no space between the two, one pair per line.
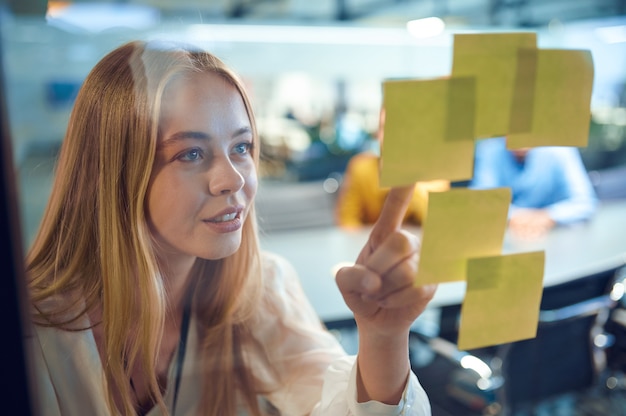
389,220
393,211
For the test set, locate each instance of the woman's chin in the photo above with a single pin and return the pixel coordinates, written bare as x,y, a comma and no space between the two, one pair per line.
226,249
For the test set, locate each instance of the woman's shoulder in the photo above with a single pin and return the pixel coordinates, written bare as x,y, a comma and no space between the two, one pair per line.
282,292
277,270
65,312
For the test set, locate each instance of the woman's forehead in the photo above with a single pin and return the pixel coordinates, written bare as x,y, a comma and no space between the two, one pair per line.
202,100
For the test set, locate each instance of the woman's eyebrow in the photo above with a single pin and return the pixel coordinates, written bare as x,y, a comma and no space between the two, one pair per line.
242,131
182,135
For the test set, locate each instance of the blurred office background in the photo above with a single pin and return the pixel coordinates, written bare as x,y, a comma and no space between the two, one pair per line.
314,69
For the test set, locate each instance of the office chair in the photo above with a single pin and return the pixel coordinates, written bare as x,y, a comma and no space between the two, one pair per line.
616,329
568,354
457,382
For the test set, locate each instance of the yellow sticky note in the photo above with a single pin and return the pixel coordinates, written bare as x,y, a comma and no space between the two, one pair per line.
461,223
418,143
502,299
524,92
561,109
492,59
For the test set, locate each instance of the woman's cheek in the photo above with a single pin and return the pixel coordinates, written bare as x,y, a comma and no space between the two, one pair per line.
252,184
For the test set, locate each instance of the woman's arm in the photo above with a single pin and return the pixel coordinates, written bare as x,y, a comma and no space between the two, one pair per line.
381,291
305,369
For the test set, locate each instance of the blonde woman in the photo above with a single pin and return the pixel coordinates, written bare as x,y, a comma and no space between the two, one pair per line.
149,292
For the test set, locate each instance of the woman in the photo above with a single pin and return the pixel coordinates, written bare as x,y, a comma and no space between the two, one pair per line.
150,294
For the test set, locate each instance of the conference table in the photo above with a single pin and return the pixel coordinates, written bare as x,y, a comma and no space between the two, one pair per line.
571,252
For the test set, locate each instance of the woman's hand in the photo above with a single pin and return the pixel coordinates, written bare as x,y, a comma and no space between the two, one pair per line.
381,291
380,288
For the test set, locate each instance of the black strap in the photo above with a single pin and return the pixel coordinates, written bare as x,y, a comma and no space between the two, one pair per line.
180,358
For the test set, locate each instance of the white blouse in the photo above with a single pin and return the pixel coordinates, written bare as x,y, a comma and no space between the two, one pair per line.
315,375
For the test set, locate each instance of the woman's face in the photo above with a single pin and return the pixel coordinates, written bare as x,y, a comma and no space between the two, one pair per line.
204,177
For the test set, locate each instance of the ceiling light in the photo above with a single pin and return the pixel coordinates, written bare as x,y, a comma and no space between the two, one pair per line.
426,28
334,35
612,34
97,17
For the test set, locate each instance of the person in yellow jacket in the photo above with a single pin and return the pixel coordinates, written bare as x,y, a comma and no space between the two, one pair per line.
360,199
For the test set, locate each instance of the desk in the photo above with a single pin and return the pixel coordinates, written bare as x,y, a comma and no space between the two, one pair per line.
571,252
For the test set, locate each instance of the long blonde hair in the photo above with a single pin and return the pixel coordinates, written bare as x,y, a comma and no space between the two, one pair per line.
94,249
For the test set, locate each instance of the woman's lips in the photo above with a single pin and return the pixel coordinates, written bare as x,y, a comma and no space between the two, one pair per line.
223,218
226,221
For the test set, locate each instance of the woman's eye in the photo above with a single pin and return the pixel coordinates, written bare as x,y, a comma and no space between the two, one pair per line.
191,155
243,148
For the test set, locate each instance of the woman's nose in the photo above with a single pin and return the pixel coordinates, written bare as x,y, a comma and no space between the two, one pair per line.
225,177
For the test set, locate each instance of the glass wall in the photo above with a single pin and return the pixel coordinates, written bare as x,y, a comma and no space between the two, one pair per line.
314,70
316,84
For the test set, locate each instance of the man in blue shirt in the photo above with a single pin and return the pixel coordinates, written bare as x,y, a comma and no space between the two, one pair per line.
550,185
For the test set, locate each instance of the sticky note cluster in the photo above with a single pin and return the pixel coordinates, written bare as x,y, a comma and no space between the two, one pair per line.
501,84
462,240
